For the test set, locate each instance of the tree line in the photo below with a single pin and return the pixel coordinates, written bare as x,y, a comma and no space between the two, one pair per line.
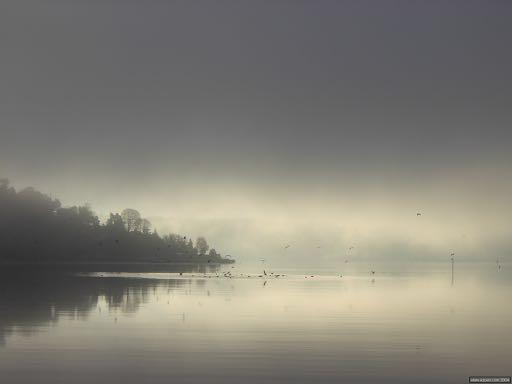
35,228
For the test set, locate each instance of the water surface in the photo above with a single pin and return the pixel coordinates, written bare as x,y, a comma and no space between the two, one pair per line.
398,325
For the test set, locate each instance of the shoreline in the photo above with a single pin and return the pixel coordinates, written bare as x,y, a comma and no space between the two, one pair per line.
108,266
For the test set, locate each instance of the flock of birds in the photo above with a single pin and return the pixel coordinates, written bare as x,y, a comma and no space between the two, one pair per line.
372,272
230,275
267,275
285,247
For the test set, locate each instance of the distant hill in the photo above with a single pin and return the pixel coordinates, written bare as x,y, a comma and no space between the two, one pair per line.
35,228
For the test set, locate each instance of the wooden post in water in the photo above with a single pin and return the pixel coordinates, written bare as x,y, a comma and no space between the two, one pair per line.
453,261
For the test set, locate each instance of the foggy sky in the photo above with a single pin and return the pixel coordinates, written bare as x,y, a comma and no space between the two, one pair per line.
351,115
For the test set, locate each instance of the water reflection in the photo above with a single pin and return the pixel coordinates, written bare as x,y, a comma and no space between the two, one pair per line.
32,298
156,327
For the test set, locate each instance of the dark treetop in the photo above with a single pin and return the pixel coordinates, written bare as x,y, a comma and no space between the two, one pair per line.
35,228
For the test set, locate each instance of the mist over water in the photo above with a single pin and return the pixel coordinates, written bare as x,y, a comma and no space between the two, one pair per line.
258,124
358,149
397,325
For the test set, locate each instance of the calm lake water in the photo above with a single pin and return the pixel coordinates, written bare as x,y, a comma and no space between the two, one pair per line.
400,325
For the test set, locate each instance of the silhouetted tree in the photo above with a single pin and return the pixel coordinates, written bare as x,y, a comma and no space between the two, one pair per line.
115,222
36,228
146,226
4,187
87,217
202,246
132,219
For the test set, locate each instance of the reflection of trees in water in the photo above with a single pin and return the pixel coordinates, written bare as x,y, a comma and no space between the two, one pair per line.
127,294
31,299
